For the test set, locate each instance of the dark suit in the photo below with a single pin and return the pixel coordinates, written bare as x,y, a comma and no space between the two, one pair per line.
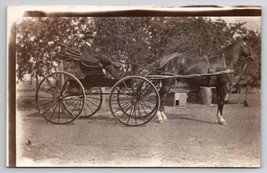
94,58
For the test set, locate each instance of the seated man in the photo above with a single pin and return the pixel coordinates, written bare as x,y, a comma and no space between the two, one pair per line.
89,52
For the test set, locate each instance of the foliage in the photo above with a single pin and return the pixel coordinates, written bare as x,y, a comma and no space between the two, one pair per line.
137,42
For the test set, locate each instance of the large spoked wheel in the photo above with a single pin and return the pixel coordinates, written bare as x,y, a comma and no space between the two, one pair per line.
60,98
134,101
94,99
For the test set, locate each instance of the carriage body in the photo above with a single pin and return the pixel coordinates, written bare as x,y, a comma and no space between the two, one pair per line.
61,97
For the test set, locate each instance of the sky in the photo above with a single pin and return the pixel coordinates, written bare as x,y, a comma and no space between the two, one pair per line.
253,23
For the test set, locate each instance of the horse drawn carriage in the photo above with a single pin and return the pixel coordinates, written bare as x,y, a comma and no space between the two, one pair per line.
61,97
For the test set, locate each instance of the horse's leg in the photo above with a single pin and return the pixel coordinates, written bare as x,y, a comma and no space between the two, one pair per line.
221,93
228,96
163,94
245,102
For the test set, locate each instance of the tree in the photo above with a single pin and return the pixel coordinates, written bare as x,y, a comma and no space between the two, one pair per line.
38,41
134,41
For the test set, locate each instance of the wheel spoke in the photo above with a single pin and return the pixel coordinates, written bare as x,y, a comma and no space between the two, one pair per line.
67,109
93,100
147,93
126,110
130,116
49,107
146,105
122,92
140,114
74,106
63,108
149,101
144,110
53,112
73,100
58,113
121,108
68,90
92,103
135,115
121,116
47,103
89,107
125,104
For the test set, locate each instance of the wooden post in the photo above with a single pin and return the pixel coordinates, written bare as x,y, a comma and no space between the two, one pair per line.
205,95
61,68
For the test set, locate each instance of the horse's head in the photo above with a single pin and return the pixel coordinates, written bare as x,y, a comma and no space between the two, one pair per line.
247,51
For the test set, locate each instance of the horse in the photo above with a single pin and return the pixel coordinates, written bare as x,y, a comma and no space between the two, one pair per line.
183,64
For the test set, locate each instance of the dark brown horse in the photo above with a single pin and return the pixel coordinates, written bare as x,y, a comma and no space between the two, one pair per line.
185,65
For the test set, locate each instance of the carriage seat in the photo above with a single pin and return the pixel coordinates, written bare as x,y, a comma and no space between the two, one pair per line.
95,75
92,69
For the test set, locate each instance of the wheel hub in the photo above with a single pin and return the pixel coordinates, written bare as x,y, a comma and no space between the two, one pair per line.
60,98
134,101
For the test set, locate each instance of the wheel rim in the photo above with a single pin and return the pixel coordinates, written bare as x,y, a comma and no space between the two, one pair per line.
94,99
60,98
134,101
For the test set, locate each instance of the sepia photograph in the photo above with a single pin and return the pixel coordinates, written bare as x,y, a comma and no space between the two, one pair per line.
122,86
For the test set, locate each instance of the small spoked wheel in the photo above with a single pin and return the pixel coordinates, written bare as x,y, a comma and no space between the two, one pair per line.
94,99
60,98
134,101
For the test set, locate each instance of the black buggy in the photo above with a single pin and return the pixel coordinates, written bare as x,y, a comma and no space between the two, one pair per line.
61,97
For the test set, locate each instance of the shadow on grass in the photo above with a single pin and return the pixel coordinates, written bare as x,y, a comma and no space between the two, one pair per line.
97,117
25,105
188,117
109,119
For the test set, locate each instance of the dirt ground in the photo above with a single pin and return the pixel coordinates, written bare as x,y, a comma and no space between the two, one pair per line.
190,138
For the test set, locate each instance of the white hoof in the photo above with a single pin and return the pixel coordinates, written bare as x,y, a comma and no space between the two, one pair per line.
222,122
164,115
158,114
